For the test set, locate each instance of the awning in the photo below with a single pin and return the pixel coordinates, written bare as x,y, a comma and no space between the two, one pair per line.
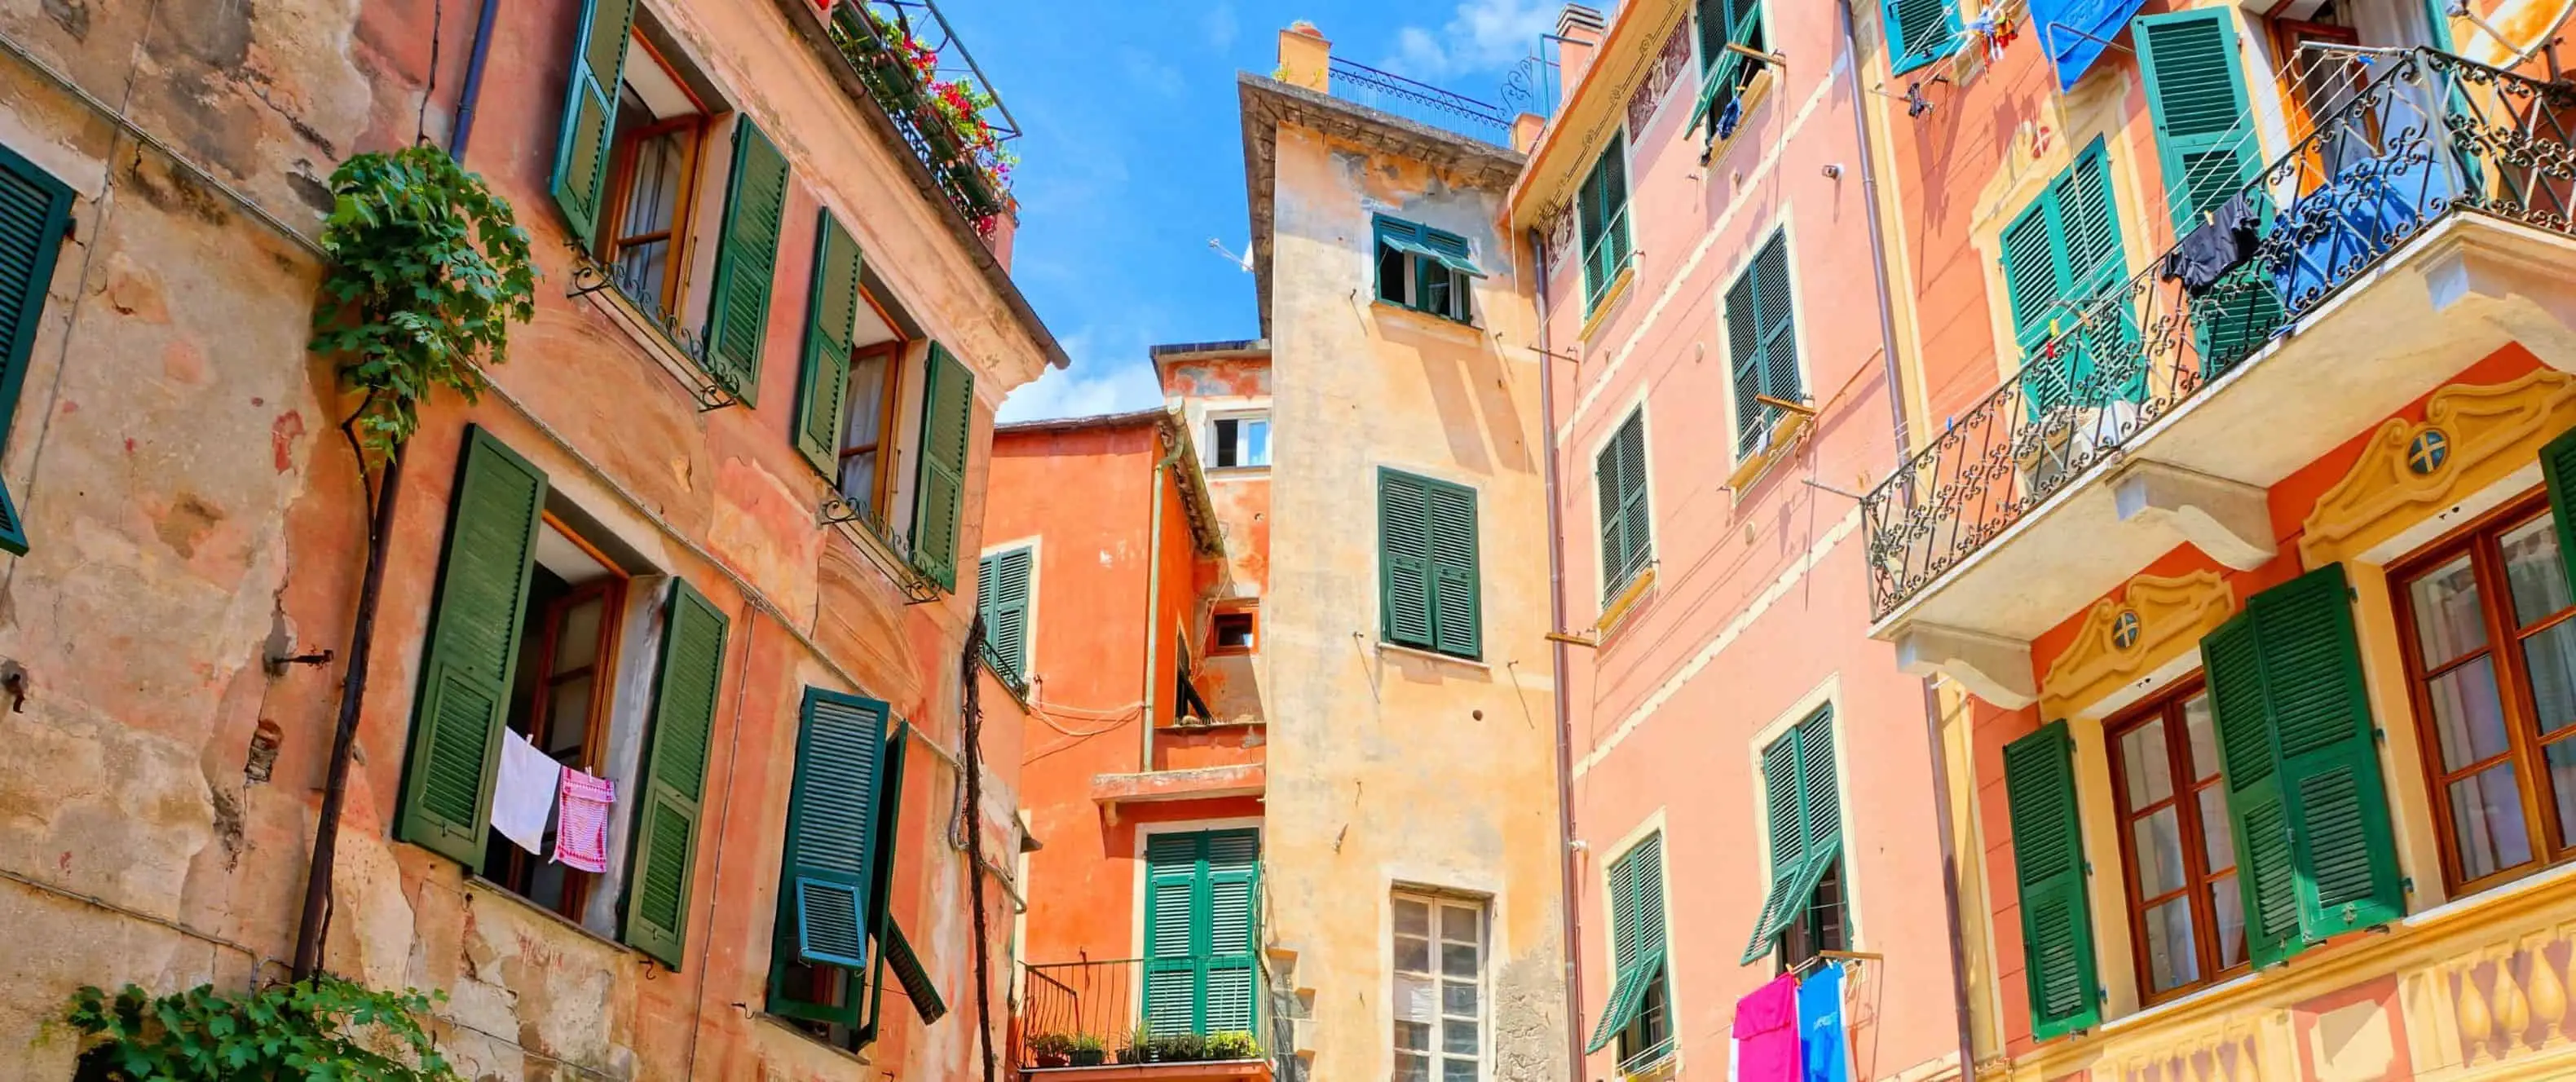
1627,997
2076,31
1788,898
1453,261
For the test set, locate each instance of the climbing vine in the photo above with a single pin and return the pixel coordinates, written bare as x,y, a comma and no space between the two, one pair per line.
322,1028
428,270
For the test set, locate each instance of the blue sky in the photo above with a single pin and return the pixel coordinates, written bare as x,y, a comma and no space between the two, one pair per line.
1132,157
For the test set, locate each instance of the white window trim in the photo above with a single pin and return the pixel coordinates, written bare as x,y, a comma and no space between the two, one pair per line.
1435,897
1651,826
1270,445
1825,694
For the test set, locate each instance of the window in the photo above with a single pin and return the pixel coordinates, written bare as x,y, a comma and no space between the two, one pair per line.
653,169
35,216
1202,930
836,866
1627,532
1187,706
2060,256
1762,343
1638,1014
2186,915
1601,210
1004,594
520,637
2204,138
1725,72
867,457
1439,993
1234,631
1427,565
1241,442
1803,802
2492,653
1424,269
1919,32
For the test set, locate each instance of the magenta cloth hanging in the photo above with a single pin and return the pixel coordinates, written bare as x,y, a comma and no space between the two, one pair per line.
581,831
1766,1033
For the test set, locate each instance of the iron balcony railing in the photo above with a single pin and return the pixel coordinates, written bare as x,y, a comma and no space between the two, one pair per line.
2429,135
1212,1008
1421,103
923,78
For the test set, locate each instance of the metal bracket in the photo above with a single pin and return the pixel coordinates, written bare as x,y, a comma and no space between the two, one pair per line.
854,522
662,333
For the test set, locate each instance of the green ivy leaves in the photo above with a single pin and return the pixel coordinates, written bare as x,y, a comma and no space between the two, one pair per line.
322,1029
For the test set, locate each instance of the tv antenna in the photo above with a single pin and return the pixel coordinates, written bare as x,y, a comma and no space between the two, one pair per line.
1241,262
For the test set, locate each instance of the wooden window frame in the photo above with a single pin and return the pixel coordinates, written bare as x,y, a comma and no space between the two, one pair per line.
610,590
889,422
621,182
2166,705
2481,540
1215,644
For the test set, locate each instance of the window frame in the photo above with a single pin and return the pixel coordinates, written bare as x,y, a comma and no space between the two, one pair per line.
873,509
1216,646
1216,446
619,184
1413,289
1436,905
2167,705
1597,288
610,591
2481,540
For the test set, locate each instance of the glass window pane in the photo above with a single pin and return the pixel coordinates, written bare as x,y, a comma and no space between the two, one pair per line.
1412,955
1412,1068
2551,658
2448,621
2228,902
1412,917
2158,846
2172,961
1458,924
2562,784
1413,1005
2217,846
2467,715
577,642
2202,727
568,718
1458,998
2486,822
1457,960
1458,1070
1390,275
1256,442
2146,767
2533,570
1458,1036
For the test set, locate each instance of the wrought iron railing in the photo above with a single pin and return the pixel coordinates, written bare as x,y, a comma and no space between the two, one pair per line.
2429,135
921,75
1420,102
1144,1010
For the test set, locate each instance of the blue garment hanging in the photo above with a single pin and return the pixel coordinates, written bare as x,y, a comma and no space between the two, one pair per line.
1820,1026
2076,31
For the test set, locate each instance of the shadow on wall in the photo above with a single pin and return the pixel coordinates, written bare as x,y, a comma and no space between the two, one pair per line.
1464,368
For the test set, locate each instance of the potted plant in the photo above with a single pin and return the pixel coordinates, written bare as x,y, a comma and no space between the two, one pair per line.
1232,1044
1140,1044
1051,1050
1089,1050
1180,1048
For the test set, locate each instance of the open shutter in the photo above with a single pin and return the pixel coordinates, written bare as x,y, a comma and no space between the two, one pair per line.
1234,931
1002,593
1919,32
35,210
2258,816
1789,854
473,650
2558,465
1404,558
2340,838
746,261
2048,861
1454,578
916,982
881,893
831,826
675,775
2196,93
580,179
2107,365
1638,945
824,386
939,492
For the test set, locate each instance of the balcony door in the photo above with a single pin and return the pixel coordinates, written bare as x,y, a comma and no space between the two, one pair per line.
1202,929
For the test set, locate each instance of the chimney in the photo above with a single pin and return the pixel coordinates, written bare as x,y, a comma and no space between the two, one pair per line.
1305,58
1579,32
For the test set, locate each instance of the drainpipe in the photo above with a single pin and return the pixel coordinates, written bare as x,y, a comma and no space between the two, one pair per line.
1877,238
1573,929
1154,597
473,81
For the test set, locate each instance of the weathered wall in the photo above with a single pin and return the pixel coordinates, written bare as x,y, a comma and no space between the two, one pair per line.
175,459
1233,684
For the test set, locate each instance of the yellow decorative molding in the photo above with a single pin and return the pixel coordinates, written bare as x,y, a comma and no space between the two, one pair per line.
2472,436
2153,621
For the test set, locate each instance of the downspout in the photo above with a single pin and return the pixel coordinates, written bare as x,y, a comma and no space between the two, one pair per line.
1942,813
473,91
1154,599
1573,921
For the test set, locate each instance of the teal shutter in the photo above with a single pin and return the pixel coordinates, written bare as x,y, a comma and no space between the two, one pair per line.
580,180
2048,863
1455,603
35,213
2258,816
1002,582
1638,943
1619,476
831,826
1172,986
675,775
1919,32
2558,466
1804,806
1202,930
939,492
1233,929
2205,141
472,655
1762,339
881,894
1401,236
746,261
1602,212
824,385
2061,255
1404,559
908,971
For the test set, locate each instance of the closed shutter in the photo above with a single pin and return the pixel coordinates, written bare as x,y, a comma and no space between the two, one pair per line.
746,261
1919,32
831,826
2048,863
1404,558
580,179
2061,255
1638,944
1455,603
1614,547
1202,930
2558,465
1627,541
473,650
1762,338
2258,817
1233,923
1172,979
824,385
939,491
1002,582
35,212
1803,802
675,775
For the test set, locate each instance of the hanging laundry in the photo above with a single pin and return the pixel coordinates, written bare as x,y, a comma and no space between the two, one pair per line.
581,830
1731,116
2225,241
1820,1026
1766,1033
523,796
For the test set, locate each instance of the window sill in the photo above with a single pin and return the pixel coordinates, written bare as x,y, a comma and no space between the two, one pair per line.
1666,1066
1615,614
1788,430
1758,88
1599,310
1236,473
675,349
2146,1015
879,549
479,885
798,1031
1401,650
1433,320
2446,911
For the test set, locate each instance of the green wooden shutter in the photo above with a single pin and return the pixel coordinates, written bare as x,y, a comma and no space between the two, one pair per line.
580,178
824,385
473,650
1233,930
2060,255
1619,474
35,213
881,895
1762,338
2558,466
2196,94
1002,582
1638,943
1744,355
831,826
1404,558
1172,985
1605,487
675,775
746,261
939,491
2258,816
1804,806
2329,755
2048,862
917,985
1919,32
1202,930
1602,208
1455,604
1398,234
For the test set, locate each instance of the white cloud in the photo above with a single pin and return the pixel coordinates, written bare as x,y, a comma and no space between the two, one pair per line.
1483,36
1100,381
1149,73
1219,25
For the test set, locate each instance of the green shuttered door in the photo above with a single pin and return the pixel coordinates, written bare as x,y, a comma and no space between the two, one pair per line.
823,387
684,707
35,210
746,261
1202,930
1002,582
2060,256
831,846
473,650
1427,564
590,114
947,420
2205,140
2048,862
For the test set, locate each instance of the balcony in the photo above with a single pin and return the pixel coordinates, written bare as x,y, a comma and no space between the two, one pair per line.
2418,228
921,75
1168,1019
1430,106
